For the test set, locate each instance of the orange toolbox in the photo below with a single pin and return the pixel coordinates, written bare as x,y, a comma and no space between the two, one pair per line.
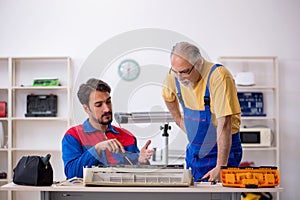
250,177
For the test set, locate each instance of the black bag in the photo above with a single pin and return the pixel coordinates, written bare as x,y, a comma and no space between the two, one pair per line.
34,170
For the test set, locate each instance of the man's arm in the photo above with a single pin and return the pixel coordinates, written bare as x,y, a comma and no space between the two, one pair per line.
224,139
173,107
75,158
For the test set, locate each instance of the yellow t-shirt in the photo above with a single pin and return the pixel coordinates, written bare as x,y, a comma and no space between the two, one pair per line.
223,94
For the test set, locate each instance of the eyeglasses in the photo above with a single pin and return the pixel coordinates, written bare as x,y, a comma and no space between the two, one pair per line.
184,72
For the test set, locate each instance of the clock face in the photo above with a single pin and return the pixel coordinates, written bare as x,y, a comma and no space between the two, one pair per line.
129,70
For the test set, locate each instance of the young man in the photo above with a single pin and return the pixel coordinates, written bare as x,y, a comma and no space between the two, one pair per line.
211,111
97,141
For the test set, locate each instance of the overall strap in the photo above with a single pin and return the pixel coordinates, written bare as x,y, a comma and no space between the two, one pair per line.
179,96
207,93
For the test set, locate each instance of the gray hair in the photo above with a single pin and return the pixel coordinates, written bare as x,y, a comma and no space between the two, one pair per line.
91,85
188,51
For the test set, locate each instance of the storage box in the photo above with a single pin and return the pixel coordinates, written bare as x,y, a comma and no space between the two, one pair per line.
46,82
3,110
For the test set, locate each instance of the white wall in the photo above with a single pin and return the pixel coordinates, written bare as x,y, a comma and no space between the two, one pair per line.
233,27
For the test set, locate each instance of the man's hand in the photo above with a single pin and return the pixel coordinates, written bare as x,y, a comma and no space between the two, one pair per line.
112,145
145,153
213,175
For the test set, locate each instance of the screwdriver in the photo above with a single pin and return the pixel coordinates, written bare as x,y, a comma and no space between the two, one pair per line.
203,179
126,158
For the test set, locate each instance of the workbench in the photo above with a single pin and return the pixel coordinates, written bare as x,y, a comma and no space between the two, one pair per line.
203,190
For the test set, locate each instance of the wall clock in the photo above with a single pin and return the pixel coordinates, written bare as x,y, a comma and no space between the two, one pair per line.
129,70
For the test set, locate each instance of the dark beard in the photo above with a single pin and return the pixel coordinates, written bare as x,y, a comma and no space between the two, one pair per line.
102,122
107,122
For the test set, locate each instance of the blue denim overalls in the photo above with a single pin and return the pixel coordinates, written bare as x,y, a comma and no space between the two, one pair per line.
201,151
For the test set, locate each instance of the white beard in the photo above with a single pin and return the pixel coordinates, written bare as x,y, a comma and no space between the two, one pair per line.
186,83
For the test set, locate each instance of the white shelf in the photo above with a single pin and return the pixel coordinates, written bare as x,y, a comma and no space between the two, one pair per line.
42,58
256,87
260,149
258,118
40,119
35,150
33,135
40,88
265,70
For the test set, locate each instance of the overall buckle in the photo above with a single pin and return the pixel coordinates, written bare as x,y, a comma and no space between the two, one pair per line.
206,100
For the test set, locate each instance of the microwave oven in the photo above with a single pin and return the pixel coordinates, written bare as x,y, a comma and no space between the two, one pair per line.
256,137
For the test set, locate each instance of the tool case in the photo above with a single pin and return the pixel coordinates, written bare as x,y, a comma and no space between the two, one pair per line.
41,105
253,177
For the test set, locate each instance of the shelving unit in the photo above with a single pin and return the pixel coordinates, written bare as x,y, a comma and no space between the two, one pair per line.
33,135
5,123
265,70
